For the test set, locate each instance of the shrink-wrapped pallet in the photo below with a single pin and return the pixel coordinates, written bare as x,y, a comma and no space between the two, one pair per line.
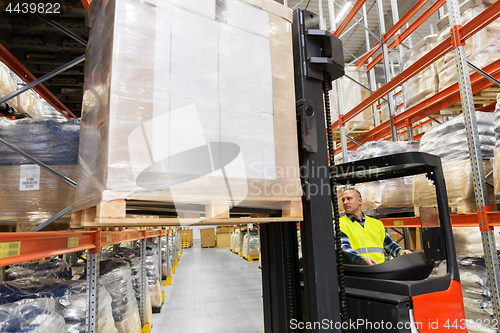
28,193
446,65
353,94
459,188
251,245
163,121
425,83
7,85
116,277
449,140
391,193
496,160
31,315
473,278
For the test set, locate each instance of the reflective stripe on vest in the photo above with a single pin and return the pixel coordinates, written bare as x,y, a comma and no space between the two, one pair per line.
367,241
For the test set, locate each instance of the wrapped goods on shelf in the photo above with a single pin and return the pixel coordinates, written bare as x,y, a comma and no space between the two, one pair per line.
459,187
29,194
237,241
392,193
380,148
496,160
473,277
339,158
449,140
70,301
48,269
7,84
251,245
148,88
446,66
116,277
353,94
425,83
31,315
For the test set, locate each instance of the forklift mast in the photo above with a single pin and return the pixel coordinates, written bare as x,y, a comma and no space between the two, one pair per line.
321,294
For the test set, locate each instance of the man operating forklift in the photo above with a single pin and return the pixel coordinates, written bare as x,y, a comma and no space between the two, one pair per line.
364,240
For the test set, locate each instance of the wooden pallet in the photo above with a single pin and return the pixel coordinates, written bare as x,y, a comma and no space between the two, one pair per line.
482,98
118,213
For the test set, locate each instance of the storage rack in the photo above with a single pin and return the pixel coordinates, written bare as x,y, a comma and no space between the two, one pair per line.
23,246
467,85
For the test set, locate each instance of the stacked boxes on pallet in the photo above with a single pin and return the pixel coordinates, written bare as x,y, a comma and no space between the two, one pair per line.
426,83
449,141
473,278
222,234
187,238
446,66
156,110
207,237
385,194
352,94
29,194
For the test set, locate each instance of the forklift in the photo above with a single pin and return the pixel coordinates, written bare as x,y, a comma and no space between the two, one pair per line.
326,295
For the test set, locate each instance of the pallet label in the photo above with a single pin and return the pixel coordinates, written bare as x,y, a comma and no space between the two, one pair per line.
29,180
73,241
109,238
11,249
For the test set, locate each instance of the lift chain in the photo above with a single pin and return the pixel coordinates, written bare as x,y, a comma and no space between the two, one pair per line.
333,171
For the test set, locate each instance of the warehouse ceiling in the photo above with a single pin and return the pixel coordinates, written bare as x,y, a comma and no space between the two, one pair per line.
42,48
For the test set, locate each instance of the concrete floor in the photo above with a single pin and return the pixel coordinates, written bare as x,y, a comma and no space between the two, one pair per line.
212,291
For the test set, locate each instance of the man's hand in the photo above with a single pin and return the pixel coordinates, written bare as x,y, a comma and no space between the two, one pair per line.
405,252
371,261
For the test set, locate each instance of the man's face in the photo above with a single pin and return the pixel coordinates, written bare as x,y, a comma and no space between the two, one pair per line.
351,201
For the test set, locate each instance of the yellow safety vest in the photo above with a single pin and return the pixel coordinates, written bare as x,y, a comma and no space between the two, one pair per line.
368,242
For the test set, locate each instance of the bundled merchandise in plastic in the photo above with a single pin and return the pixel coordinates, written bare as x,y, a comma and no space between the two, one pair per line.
473,278
31,315
69,297
353,94
446,66
237,240
30,191
425,83
449,141
116,277
148,88
47,269
251,245
496,160
391,193
7,84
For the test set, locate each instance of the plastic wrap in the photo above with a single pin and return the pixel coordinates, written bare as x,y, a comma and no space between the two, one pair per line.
28,193
449,140
49,269
70,301
473,278
148,85
251,245
459,187
380,148
425,83
116,277
353,95
7,84
31,315
446,66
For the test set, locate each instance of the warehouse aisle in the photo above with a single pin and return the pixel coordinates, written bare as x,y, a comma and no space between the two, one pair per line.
212,291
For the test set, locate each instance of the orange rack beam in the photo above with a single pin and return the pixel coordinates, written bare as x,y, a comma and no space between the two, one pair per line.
357,6
479,22
439,101
17,247
457,220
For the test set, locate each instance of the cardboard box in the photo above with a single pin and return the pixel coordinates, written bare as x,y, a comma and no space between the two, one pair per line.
207,237
222,230
222,240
